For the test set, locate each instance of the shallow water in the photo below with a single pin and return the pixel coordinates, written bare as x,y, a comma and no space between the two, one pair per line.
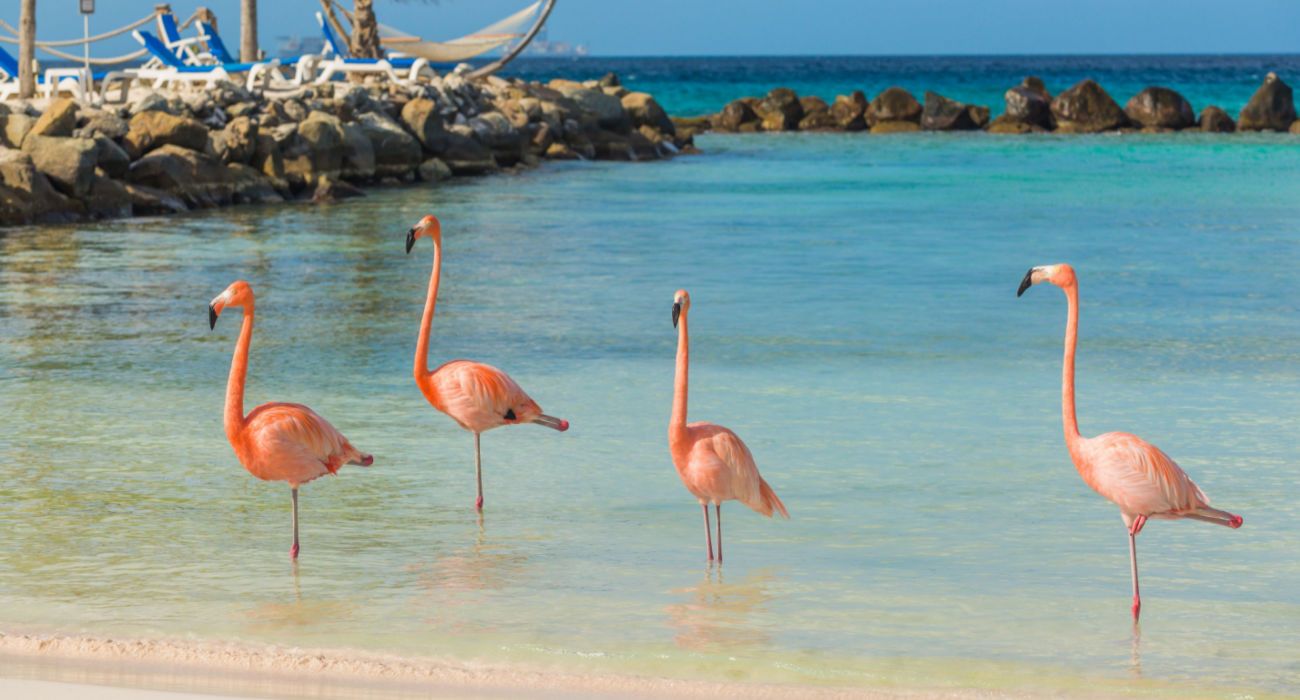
854,320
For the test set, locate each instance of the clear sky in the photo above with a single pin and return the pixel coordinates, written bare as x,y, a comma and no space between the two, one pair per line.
729,27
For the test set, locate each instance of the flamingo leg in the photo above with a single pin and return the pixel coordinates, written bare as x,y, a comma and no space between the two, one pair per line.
478,472
293,551
718,507
1133,531
708,531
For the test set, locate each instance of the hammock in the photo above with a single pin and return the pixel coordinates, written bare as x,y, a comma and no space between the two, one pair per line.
491,37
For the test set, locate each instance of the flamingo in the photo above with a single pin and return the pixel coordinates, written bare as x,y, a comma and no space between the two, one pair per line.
713,462
478,397
277,441
1130,472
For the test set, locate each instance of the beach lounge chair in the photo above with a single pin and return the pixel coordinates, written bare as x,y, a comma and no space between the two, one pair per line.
54,79
176,72
304,66
186,49
336,58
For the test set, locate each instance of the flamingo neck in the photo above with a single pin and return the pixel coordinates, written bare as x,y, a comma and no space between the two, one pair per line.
1068,418
677,422
234,413
421,366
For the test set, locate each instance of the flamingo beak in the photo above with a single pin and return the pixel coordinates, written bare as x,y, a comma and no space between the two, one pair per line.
410,240
212,317
677,312
1027,282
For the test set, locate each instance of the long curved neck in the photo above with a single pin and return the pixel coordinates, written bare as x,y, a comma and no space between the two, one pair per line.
677,422
421,367
234,414
1068,417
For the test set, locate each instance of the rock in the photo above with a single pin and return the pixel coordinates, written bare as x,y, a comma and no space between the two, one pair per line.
110,157
466,156
98,123
239,141
26,196
242,109
606,110
943,114
1035,84
780,110
1295,127
1214,119
609,80
329,190
294,110
643,110
894,127
434,170
16,128
397,153
1029,104
494,130
358,154
734,115
146,201
314,148
249,186
1005,124
421,117
1087,109
688,127
59,119
611,145
819,121
150,103
155,128
1160,108
196,178
894,105
68,162
850,111
1270,108
267,157
108,198
561,151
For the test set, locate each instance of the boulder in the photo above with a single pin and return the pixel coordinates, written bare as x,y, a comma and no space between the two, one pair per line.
819,121
421,117
99,123
16,128
26,196
358,154
238,141
1295,127
329,190
494,130
605,110
895,127
196,178
1087,109
609,80
150,102
434,170
943,114
1028,106
1005,124
893,105
688,127
293,110
561,151
1214,119
108,198
59,119
780,110
147,201
397,153
466,156
267,157
68,162
250,186
734,115
1035,84
1270,108
850,111
643,110
111,158
312,148
155,128
1160,108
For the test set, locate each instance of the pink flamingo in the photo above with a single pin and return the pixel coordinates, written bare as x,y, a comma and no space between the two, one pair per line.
1132,473
277,441
713,462
478,397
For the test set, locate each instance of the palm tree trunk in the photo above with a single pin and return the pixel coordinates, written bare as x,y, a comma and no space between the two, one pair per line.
248,50
365,30
26,49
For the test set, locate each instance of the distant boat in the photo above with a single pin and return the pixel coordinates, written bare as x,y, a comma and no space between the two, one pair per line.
298,45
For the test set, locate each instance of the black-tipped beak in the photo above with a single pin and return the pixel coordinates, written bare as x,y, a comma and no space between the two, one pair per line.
1026,283
212,317
677,312
410,240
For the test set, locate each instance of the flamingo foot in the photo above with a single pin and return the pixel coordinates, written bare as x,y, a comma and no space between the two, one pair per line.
478,503
1137,608
293,551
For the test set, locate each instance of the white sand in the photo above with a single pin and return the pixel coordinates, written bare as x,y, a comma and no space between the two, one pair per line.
47,690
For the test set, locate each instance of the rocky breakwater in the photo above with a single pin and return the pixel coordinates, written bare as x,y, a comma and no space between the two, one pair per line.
1084,108
165,153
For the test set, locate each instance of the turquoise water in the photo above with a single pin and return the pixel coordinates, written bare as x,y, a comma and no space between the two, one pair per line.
854,319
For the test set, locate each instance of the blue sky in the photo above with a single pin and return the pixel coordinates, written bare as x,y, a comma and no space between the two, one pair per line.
693,27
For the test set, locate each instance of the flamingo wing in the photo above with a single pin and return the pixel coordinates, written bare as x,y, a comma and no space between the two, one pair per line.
294,443
736,474
1140,478
478,396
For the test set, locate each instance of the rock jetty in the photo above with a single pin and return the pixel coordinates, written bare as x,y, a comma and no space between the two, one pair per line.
164,153
1084,108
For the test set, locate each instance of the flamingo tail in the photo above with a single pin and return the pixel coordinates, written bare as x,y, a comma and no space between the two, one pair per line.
1216,516
771,502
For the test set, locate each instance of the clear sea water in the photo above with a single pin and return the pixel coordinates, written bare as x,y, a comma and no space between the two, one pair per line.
854,319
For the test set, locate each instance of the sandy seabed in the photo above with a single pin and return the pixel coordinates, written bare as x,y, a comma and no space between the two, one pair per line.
59,667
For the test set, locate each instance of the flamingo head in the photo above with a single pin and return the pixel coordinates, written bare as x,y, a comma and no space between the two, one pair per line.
1061,275
428,226
239,293
681,303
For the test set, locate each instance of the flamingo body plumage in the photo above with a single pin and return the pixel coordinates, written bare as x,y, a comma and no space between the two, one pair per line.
477,396
277,441
1126,470
713,462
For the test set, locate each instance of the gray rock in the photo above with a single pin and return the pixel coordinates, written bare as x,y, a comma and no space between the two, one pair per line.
26,196
152,102
643,110
147,201
99,123
1214,119
1028,106
238,141
313,149
68,162
294,110
111,158
434,170
108,199
606,110
466,156
421,117
329,190
16,128
943,114
397,153
1160,108
358,154
1271,108
196,178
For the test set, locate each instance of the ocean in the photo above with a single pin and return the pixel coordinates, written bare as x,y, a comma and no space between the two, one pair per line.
854,320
